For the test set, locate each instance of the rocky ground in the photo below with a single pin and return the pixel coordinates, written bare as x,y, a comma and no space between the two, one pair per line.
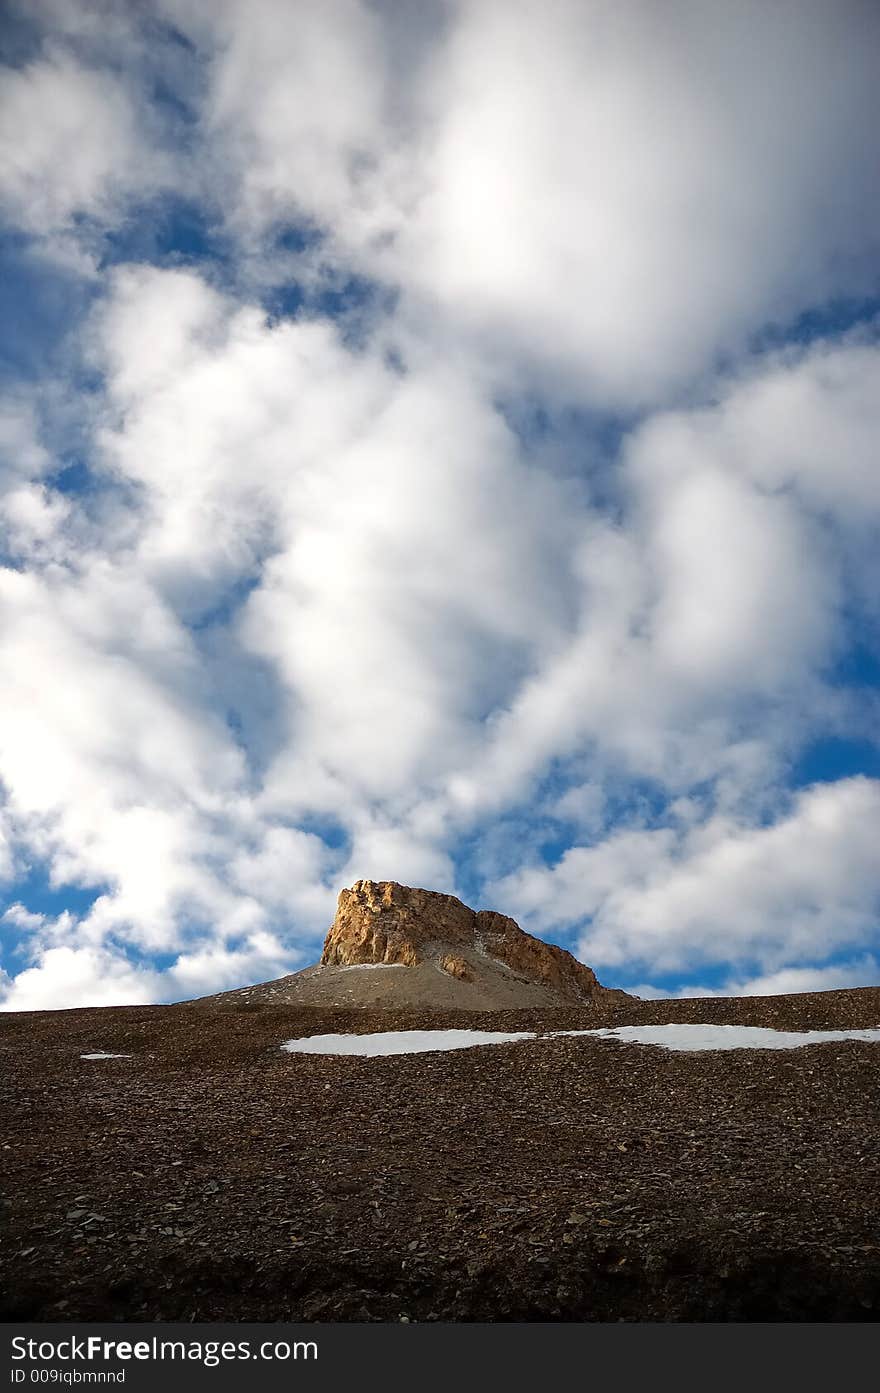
212,1176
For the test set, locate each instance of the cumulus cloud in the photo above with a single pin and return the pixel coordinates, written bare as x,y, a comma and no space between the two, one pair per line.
405,556
112,772
857,972
67,977
360,619
854,972
706,615
77,145
801,888
68,134
529,563
614,194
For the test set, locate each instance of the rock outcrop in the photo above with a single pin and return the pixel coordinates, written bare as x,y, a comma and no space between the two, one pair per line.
392,947
383,923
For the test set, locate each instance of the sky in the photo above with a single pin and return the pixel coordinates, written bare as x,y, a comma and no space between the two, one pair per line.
439,443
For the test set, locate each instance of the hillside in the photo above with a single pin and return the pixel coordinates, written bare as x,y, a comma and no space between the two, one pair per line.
206,1174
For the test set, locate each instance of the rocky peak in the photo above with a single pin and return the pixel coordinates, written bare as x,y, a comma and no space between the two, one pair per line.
381,922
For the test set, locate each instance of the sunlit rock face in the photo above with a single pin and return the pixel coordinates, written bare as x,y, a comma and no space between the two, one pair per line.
381,922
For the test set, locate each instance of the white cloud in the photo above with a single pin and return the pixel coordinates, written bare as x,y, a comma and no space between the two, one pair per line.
584,805
736,606
321,582
213,967
626,192
431,620
111,766
704,618
854,972
70,144
396,853
380,631
604,195
68,977
289,871
295,106
31,518
373,508
21,917
857,972
22,456
804,888
611,193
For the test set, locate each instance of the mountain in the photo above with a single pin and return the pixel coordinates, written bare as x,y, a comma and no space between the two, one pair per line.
395,946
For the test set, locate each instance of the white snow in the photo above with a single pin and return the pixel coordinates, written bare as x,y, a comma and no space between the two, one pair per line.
401,1042
668,1037
103,1055
724,1037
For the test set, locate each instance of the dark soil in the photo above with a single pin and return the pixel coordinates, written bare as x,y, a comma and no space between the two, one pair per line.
212,1176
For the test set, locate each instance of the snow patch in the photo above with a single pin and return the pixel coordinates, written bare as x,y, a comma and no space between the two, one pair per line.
668,1037
401,1042
101,1054
724,1037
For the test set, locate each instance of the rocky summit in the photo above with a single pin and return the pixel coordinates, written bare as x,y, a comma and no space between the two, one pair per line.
395,946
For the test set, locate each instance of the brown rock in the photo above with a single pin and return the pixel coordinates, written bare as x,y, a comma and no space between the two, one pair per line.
541,962
428,951
381,923
456,967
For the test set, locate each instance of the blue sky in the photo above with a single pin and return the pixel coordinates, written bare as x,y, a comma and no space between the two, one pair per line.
439,444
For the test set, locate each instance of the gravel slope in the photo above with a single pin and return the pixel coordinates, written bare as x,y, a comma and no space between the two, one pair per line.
213,1176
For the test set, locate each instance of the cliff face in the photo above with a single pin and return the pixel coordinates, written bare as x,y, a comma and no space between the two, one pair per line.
542,962
381,922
